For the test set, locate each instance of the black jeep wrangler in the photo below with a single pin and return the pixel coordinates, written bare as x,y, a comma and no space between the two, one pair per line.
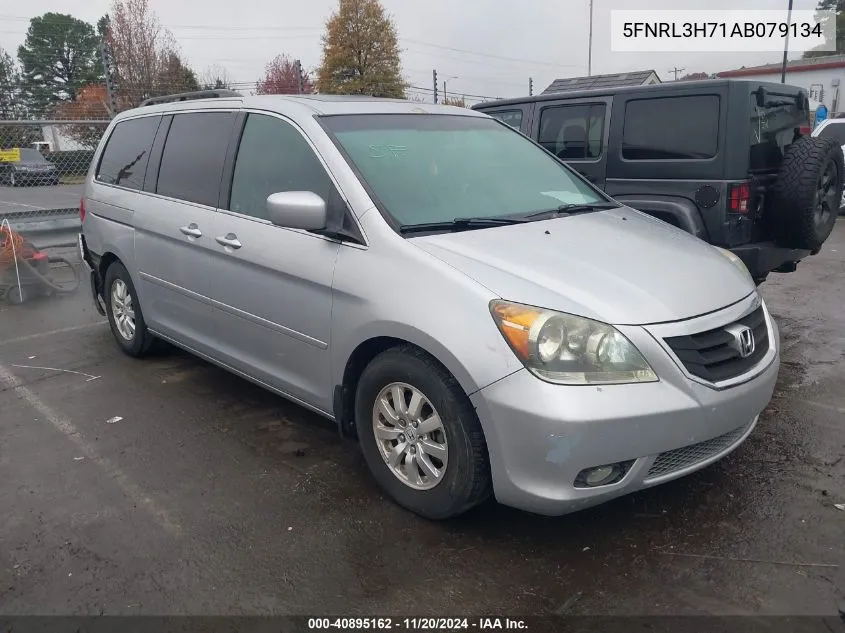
729,161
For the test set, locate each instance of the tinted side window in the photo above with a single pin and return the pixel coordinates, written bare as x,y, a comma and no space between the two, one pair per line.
124,161
511,117
671,128
574,131
192,162
273,157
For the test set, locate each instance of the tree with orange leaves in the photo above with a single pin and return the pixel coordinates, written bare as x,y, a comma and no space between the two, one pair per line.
361,52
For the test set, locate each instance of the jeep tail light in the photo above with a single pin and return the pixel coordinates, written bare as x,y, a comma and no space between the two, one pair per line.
739,197
82,209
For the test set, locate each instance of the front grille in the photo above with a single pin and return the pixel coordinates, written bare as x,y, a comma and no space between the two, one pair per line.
680,458
712,355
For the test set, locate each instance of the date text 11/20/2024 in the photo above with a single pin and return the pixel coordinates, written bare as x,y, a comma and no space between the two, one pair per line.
416,624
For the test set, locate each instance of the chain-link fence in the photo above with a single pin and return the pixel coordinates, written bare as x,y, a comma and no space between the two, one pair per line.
42,170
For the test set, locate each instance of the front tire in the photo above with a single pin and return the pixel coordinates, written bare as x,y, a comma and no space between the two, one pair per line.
124,312
420,435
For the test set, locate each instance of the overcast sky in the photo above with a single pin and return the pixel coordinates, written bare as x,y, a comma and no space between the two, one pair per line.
492,47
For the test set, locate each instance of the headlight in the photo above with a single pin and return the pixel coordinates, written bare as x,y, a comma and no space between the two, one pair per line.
567,349
736,261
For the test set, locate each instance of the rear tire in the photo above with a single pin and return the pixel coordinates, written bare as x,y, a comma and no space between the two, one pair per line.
808,192
464,479
124,312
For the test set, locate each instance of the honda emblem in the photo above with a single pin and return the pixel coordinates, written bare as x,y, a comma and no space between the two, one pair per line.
743,340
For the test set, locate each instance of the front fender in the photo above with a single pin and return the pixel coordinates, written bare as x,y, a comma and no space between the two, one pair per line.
499,359
406,294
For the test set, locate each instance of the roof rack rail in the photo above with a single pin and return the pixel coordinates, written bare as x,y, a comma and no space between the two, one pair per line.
188,96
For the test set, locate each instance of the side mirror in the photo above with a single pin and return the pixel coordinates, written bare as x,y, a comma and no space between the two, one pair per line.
762,97
297,210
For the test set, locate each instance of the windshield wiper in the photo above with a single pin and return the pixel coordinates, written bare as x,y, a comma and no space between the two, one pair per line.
459,224
568,209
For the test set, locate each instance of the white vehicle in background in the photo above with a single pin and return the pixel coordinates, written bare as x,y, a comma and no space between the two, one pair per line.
834,128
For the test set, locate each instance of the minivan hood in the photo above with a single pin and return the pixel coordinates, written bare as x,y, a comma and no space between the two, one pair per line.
618,266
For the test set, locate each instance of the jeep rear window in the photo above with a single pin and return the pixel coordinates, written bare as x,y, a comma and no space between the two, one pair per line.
773,128
671,128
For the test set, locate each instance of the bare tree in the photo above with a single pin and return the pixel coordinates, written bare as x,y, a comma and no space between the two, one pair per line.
215,77
146,56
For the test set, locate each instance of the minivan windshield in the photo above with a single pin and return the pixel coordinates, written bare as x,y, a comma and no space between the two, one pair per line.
430,168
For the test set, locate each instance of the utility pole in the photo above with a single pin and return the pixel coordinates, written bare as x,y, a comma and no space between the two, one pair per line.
298,65
786,43
108,70
590,46
434,76
530,86
676,71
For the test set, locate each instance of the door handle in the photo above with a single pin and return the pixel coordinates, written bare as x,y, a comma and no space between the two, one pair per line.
230,240
191,230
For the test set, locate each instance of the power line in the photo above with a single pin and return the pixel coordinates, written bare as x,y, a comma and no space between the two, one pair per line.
490,55
225,28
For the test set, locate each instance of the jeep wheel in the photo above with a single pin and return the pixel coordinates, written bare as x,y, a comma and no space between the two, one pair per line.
808,192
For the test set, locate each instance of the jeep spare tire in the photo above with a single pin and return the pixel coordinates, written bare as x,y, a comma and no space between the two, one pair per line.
807,193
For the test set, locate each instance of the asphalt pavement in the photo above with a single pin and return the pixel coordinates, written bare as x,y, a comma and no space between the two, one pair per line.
167,486
17,199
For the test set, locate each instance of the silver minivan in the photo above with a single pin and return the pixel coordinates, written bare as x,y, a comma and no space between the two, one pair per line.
484,320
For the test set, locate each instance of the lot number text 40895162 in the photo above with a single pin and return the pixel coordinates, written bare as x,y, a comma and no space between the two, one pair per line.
417,624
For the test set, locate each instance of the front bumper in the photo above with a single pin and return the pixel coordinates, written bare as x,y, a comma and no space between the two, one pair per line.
44,178
540,436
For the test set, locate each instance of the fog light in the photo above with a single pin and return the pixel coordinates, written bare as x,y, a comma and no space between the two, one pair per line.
597,476
602,475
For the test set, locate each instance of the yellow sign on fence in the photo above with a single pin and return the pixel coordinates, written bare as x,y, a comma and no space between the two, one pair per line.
10,155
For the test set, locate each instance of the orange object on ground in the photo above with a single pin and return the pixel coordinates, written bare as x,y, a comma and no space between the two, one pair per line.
13,244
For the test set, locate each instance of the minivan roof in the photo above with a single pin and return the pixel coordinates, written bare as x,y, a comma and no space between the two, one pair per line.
319,104
604,92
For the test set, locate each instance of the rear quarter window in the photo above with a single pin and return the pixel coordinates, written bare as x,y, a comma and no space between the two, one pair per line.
671,128
124,160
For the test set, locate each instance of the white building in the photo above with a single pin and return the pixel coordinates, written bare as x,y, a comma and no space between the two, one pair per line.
821,77
58,140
